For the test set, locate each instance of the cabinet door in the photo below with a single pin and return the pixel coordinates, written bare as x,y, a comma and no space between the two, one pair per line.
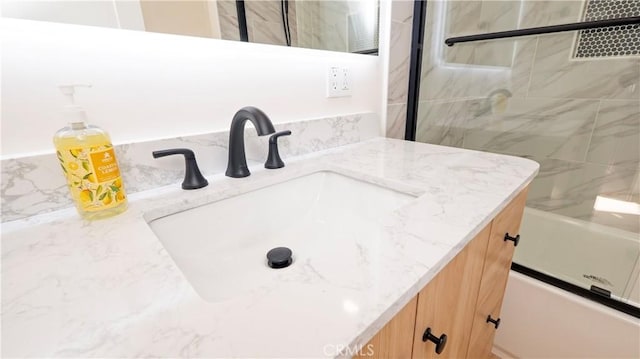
494,277
447,304
395,339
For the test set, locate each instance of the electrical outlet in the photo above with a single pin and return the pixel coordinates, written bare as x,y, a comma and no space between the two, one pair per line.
338,82
346,88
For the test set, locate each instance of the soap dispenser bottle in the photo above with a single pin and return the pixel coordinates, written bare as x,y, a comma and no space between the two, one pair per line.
89,163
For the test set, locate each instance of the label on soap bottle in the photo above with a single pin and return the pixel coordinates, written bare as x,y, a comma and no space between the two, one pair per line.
93,177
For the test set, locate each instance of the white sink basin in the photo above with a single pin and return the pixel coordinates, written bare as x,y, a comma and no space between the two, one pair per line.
221,247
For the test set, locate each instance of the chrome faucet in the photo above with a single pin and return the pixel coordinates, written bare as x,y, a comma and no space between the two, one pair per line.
237,165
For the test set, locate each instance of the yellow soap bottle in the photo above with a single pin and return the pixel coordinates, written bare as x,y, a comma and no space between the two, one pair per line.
89,163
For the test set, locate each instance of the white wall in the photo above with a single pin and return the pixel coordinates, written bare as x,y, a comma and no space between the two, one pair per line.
122,14
96,13
148,85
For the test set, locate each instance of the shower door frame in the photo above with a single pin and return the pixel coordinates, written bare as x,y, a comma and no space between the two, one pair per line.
413,100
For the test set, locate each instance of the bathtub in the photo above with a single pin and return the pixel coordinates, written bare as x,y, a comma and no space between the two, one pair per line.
542,321
581,253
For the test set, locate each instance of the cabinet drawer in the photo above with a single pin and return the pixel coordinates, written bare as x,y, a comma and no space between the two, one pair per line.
395,339
447,304
494,277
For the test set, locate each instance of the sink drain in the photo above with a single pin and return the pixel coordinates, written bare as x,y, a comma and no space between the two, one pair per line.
279,257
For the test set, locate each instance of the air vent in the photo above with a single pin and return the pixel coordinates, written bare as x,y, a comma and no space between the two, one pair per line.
609,41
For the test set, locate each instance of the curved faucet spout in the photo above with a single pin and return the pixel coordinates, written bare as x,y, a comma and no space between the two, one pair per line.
237,165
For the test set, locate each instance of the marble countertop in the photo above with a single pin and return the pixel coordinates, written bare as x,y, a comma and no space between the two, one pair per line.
72,288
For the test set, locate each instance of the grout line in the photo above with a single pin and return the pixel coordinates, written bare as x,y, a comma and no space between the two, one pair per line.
593,130
533,64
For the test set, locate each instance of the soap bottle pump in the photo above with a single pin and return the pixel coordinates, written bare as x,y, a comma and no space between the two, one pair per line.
89,163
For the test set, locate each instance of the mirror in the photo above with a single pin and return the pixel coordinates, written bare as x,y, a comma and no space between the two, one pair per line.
340,25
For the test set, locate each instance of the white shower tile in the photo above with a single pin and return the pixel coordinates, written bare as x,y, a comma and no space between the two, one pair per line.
551,128
443,80
332,37
443,123
265,32
525,50
402,11
396,120
264,10
305,11
399,62
556,75
550,12
227,8
462,18
616,136
497,16
330,31
571,188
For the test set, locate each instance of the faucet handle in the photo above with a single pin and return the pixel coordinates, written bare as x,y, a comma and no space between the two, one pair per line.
273,159
193,179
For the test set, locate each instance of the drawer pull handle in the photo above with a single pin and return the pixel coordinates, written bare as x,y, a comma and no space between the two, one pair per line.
515,239
496,322
439,342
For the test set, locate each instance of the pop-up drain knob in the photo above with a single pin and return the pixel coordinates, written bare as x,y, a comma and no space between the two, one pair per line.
279,257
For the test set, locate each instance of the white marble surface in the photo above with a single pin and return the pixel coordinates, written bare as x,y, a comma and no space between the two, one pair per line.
108,288
34,185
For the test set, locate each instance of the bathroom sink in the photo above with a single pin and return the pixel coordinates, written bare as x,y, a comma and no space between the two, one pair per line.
221,247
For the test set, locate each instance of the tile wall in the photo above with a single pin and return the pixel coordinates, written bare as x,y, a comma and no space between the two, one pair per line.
313,24
399,63
580,119
323,25
264,21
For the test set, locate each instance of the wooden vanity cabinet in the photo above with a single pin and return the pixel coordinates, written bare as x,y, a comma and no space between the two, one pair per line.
448,303
458,301
395,339
494,277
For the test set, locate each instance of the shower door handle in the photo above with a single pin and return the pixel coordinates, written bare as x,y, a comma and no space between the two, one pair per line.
515,239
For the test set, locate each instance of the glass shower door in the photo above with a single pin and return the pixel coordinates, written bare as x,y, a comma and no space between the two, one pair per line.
571,102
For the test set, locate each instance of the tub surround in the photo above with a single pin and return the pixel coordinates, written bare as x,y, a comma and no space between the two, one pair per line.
35,184
578,117
109,288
